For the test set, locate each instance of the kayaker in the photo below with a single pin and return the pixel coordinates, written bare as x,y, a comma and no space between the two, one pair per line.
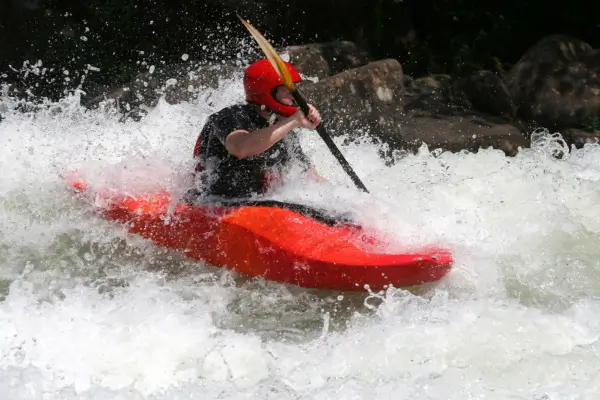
245,148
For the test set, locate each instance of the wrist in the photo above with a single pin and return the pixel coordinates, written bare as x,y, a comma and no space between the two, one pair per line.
293,121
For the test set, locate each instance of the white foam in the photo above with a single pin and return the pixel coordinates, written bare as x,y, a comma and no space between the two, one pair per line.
86,315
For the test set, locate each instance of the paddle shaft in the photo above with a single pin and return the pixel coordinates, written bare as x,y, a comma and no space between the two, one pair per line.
329,142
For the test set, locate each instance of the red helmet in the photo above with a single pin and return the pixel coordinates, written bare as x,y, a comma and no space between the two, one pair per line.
261,82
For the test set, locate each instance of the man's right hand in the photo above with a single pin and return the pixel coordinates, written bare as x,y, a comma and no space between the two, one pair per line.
309,122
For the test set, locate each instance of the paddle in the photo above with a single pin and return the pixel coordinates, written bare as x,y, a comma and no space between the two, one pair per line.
283,72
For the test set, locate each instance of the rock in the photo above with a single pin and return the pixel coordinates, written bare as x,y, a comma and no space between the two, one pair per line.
470,131
373,99
431,85
432,93
557,83
367,97
485,91
592,57
322,60
579,138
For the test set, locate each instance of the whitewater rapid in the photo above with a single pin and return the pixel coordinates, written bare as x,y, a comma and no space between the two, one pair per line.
88,311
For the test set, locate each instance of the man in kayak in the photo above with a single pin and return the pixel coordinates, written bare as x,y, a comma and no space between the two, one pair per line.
245,148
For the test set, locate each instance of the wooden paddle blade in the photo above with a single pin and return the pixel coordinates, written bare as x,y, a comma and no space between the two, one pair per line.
271,55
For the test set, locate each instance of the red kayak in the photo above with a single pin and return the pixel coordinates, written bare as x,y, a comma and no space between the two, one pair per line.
278,241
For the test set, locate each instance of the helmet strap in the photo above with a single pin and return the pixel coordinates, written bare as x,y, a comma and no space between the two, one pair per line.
272,115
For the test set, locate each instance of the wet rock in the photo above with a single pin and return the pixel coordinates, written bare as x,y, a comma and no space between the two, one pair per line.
467,131
437,84
579,137
364,97
557,83
431,93
322,60
485,91
373,99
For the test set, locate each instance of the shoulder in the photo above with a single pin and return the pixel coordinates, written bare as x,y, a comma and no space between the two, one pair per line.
229,119
234,112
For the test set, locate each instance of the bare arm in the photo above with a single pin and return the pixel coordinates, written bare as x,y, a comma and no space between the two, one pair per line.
244,144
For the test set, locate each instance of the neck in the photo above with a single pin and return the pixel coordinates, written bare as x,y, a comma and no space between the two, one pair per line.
263,113
267,115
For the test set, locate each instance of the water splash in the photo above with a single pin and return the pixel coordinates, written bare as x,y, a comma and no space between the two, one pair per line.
89,311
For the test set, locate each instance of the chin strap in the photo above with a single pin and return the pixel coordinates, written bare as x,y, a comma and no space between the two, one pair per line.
272,118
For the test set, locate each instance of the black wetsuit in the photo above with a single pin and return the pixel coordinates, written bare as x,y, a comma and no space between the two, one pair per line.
223,174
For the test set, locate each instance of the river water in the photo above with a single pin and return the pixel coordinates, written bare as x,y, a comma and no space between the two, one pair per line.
88,311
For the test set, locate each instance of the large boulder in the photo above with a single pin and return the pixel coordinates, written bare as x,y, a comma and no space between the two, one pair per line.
321,60
485,91
469,131
367,97
373,99
556,83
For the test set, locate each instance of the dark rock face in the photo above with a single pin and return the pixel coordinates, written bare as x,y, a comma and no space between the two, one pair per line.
326,59
485,91
373,98
470,131
366,97
556,84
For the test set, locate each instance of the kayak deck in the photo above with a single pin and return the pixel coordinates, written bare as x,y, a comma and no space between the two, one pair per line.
273,240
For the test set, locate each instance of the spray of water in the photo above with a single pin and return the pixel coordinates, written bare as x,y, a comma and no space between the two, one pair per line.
90,311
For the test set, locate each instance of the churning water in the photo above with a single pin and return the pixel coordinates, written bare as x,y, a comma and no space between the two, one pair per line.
88,311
